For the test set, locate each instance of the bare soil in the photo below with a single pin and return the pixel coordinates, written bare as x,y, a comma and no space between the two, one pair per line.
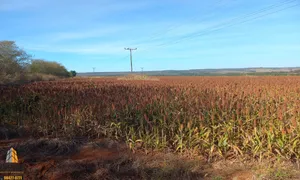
79,158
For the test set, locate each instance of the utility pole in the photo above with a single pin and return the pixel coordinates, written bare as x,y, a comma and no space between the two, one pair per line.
142,71
131,49
94,69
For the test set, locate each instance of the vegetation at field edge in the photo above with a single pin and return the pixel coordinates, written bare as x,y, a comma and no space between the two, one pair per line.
17,66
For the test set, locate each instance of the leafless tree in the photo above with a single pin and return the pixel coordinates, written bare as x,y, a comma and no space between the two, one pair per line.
13,60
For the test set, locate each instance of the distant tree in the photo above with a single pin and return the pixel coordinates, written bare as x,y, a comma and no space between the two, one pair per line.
13,61
73,73
47,67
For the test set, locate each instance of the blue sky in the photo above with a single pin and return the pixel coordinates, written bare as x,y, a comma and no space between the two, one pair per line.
169,34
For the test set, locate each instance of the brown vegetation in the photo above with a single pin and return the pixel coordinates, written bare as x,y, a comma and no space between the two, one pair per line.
133,77
216,118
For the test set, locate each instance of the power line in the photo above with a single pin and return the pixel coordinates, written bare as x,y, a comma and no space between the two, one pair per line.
236,21
246,18
233,24
170,28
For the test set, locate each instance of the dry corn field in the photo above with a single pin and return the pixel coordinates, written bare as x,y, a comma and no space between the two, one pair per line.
215,117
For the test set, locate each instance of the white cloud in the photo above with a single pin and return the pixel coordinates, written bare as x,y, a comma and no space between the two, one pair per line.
102,48
17,5
114,40
85,33
79,7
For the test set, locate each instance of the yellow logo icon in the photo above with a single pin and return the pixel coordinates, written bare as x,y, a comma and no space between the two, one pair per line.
11,156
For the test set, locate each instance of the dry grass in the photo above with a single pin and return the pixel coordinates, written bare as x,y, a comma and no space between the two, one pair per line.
138,77
26,78
106,159
41,77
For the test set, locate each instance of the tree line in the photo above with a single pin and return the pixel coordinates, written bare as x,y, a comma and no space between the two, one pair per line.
16,65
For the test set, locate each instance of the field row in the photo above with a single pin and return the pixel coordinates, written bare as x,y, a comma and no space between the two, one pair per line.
217,117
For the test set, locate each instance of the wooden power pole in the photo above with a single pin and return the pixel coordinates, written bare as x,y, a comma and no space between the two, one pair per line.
131,49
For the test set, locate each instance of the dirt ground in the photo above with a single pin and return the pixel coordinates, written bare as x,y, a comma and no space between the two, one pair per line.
80,158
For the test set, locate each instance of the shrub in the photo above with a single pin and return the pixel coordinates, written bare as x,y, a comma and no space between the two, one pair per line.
73,73
13,62
47,67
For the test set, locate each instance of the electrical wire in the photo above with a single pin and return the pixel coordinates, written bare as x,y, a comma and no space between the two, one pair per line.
235,21
242,21
271,9
156,36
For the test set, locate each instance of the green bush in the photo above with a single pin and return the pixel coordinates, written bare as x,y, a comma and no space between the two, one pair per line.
73,73
16,66
47,67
